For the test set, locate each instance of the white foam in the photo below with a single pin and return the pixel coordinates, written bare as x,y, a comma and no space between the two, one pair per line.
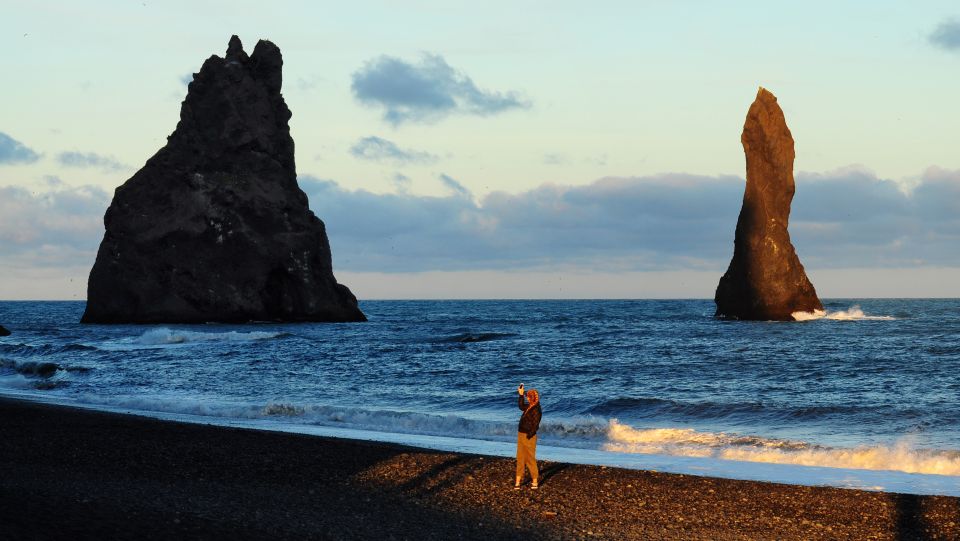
17,381
691,443
323,415
854,313
583,433
163,336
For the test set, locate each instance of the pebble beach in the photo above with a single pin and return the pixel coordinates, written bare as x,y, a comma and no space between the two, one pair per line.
69,473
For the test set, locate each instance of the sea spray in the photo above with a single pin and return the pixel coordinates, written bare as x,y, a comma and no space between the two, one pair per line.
901,456
854,313
164,336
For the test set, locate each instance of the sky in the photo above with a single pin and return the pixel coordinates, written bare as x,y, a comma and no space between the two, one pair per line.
512,149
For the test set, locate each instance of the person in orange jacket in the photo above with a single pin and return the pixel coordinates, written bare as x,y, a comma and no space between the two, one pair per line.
529,403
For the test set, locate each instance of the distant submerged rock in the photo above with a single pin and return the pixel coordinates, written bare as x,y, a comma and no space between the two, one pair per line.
214,226
4,331
765,280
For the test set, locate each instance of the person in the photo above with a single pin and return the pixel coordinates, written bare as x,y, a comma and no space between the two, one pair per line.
529,403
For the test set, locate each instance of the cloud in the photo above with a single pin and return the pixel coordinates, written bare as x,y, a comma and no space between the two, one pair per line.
53,181
426,91
90,159
848,218
377,149
946,35
49,239
938,195
844,219
402,182
13,152
60,227
454,186
612,224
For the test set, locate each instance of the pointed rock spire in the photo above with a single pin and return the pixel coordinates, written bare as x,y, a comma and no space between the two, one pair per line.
765,280
214,226
267,65
235,51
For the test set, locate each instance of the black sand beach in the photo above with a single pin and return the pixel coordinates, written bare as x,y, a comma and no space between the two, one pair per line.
68,473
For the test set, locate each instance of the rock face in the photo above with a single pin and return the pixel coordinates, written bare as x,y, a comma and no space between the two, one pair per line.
4,331
214,226
765,280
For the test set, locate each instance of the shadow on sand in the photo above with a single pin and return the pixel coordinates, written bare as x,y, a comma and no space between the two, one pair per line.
910,522
75,474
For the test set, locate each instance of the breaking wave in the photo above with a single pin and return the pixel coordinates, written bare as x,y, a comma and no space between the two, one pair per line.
583,433
688,442
38,369
163,336
37,375
286,410
854,313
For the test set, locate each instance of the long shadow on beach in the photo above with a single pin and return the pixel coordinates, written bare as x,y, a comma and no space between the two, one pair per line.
910,521
76,474
548,471
456,469
444,474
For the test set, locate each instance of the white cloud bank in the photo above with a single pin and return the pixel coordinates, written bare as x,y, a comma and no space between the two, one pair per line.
844,219
660,236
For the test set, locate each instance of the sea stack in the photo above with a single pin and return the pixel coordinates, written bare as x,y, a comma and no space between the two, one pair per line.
765,280
214,226
4,331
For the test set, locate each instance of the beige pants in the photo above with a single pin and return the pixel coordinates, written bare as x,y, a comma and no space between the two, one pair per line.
527,455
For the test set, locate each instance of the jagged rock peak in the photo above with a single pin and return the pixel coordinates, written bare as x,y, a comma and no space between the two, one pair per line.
235,51
765,279
234,104
268,65
214,227
4,331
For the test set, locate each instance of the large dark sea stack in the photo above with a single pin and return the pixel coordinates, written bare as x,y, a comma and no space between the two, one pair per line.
765,280
214,227
4,331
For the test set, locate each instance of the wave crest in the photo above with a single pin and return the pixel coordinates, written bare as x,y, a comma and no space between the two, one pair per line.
39,369
854,313
578,433
165,336
688,442
287,410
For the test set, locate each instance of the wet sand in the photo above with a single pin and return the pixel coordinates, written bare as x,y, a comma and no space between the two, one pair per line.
69,473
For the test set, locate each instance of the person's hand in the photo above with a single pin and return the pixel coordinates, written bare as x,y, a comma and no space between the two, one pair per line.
520,389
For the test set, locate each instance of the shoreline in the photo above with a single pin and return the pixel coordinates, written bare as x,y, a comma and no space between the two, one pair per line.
72,472
788,473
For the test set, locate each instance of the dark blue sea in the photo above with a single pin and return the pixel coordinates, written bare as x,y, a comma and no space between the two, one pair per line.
871,386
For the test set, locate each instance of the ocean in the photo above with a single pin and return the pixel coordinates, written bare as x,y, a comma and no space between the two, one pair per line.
864,396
